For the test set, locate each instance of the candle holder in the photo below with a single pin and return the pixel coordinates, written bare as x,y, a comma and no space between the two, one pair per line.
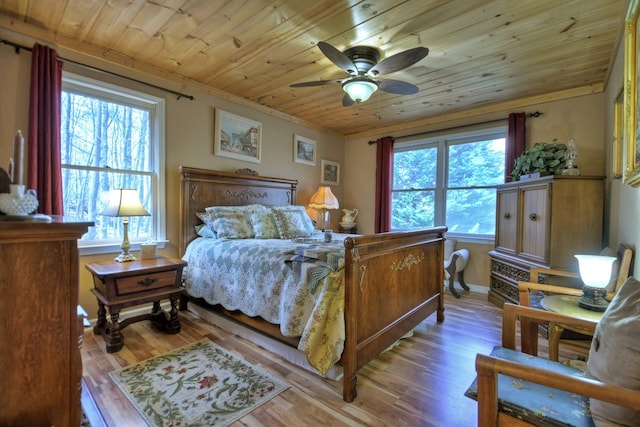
18,202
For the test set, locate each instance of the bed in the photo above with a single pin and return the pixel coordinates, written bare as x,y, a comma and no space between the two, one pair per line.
390,281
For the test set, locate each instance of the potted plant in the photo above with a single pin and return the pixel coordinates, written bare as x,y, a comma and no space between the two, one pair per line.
540,159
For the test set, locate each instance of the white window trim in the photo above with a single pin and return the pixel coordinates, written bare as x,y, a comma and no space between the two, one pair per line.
442,140
158,150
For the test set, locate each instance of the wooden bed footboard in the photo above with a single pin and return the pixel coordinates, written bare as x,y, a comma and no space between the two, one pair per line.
393,281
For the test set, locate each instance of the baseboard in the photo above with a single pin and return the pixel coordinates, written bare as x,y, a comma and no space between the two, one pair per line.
476,289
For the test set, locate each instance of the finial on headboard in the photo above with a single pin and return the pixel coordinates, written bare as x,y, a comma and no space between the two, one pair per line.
246,171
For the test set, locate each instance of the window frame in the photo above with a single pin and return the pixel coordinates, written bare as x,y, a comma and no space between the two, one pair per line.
92,87
442,141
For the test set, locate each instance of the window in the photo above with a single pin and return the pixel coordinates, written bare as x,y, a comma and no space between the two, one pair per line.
111,138
448,179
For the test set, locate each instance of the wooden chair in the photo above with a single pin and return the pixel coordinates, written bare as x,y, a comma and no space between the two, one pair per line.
624,254
530,293
498,405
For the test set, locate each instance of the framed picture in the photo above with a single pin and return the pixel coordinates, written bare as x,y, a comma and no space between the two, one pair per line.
618,134
237,137
330,172
304,150
631,125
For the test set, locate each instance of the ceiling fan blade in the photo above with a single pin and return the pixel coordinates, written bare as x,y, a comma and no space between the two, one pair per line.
316,83
347,101
338,58
399,61
397,87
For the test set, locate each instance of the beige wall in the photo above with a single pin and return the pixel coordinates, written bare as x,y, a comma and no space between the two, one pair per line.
580,118
623,199
189,129
189,141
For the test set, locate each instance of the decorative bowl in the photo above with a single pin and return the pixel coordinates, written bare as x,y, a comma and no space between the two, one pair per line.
18,206
347,225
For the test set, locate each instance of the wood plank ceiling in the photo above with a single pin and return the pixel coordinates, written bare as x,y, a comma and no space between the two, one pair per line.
482,52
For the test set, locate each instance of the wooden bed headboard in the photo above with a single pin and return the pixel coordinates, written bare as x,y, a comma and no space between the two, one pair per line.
201,188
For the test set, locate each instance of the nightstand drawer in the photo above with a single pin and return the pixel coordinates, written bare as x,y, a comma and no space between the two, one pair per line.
146,282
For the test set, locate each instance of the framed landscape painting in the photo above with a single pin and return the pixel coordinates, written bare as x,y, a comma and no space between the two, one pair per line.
304,150
631,98
330,172
237,137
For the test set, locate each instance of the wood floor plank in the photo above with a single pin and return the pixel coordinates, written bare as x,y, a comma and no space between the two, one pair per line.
420,382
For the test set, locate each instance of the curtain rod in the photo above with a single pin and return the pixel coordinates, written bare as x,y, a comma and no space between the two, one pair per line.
17,48
535,114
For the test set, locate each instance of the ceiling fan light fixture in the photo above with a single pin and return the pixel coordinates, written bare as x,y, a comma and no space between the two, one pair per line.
360,89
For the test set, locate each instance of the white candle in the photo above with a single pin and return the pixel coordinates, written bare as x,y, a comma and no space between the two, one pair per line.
18,158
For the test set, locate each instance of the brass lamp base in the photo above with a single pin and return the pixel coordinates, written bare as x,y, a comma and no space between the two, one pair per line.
124,257
593,299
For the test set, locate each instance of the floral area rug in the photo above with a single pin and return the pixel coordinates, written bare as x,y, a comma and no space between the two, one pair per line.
197,385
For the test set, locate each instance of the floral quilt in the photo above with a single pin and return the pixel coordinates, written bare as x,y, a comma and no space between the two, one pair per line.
296,285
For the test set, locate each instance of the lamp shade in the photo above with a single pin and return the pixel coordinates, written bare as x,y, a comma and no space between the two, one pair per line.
324,199
595,270
124,202
360,89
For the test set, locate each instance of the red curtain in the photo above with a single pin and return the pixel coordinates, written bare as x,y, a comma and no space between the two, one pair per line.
384,174
515,142
44,173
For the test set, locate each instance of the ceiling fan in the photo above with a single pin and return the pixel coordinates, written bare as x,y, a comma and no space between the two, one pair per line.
361,63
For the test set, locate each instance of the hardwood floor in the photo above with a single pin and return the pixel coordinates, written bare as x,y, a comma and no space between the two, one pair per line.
421,382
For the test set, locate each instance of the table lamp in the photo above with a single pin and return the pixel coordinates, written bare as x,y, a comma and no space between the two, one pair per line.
595,272
324,199
125,203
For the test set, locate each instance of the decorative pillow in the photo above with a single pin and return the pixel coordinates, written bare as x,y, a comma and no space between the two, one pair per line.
292,221
203,230
614,357
263,222
207,218
231,222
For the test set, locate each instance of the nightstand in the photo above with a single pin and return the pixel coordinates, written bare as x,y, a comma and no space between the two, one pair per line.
118,285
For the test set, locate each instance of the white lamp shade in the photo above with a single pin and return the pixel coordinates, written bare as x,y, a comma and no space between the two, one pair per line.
324,199
595,270
360,89
124,202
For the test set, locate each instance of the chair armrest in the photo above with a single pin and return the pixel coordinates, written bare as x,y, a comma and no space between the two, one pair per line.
488,368
525,287
530,318
534,273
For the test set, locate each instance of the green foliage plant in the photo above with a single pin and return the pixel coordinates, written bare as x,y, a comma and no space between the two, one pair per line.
543,158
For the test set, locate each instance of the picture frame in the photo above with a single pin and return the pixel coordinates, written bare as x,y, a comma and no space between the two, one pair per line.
329,172
304,150
631,126
618,135
237,137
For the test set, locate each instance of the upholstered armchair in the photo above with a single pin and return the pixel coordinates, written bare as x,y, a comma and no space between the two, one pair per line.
513,387
455,261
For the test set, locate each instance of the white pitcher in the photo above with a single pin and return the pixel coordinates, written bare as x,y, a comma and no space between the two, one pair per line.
349,215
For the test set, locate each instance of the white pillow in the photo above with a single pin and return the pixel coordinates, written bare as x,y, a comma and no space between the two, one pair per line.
292,221
614,357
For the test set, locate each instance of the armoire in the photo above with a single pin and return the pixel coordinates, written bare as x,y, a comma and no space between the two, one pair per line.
543,222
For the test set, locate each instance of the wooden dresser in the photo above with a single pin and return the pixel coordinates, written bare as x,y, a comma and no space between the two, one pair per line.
40,331
543,222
